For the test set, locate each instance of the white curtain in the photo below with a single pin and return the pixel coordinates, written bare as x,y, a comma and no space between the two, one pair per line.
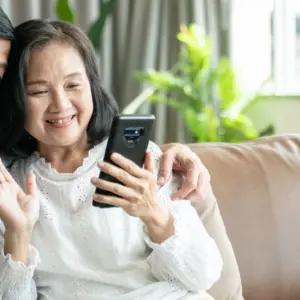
141,34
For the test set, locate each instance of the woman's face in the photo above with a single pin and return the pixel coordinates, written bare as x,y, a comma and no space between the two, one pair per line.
59,96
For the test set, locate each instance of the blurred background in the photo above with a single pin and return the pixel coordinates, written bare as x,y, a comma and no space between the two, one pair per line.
210,70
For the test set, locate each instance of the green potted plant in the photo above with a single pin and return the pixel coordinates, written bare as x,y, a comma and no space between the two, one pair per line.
209,98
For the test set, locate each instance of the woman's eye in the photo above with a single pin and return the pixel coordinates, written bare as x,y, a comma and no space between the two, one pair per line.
73,86
36,93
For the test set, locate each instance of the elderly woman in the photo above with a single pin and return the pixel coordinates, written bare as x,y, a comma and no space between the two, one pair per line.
175,155
54,243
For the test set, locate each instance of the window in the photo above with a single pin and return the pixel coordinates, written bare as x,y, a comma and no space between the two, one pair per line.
265,43
291,24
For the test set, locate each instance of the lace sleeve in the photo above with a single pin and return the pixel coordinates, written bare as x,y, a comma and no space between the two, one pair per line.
190,258
16,279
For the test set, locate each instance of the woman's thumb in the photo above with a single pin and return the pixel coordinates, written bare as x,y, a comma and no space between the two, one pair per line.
30,184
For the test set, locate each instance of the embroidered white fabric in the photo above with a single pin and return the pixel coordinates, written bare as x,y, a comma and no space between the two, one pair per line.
82,252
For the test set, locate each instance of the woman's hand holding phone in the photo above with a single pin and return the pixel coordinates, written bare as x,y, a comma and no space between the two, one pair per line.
137,194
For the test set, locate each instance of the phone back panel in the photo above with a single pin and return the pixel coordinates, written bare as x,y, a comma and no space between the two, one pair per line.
129,136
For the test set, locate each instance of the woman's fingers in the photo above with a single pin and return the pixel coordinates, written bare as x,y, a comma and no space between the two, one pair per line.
189,185
149,163
166,165
4,174
129,166
118,173
115,201
2,178
31,185
134,181
116,188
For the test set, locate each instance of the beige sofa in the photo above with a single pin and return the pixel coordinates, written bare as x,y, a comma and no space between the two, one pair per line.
257,186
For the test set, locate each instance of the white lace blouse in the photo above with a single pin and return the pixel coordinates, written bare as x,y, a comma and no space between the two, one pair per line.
82,252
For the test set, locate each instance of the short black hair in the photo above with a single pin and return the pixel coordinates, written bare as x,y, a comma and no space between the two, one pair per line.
6,28
30,35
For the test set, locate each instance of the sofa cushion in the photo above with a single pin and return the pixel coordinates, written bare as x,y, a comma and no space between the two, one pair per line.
257,185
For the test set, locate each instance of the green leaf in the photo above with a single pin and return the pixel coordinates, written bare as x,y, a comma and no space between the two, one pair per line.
269,130
193,124
206,83
64,11
228,89
174,85
203,126
162,80
198,47
239,129
95,32
173,103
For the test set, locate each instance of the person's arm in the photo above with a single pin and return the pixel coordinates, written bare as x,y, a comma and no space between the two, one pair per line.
183,253
189,258
18,261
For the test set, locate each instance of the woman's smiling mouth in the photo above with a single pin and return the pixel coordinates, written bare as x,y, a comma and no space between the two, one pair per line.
59,123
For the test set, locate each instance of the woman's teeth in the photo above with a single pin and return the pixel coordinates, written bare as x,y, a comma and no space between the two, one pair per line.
61,121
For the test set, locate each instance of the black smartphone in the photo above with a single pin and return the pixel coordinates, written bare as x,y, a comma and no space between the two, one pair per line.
129,136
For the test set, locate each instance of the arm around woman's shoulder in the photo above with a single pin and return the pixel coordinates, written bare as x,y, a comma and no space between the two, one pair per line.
190,258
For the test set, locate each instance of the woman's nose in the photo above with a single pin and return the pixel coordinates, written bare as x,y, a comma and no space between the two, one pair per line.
60,100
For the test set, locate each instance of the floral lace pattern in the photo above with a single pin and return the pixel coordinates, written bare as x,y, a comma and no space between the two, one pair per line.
99,254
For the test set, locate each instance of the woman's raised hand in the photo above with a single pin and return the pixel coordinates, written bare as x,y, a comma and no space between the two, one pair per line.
19,211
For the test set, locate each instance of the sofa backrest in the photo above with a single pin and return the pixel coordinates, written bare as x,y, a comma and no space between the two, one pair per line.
257,186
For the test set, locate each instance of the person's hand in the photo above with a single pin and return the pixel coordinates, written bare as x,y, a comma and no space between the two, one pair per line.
137,194
18,211
180,158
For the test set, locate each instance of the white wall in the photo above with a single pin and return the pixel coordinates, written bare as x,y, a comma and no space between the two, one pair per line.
282,112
